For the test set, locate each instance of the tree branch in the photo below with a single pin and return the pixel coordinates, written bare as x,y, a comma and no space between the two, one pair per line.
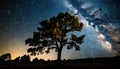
57,45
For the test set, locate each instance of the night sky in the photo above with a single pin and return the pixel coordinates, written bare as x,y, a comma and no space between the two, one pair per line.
101,19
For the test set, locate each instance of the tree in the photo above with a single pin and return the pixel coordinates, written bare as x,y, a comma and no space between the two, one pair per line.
17,58
35,60
25,58
5,57
52,35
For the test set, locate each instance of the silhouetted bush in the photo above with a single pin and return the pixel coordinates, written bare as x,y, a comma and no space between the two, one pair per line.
35,60
5,57
25,59
42,60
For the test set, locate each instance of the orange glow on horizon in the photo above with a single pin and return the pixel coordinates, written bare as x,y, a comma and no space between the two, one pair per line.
20,52
17,49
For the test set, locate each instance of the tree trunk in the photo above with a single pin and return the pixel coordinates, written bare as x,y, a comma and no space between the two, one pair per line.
59,54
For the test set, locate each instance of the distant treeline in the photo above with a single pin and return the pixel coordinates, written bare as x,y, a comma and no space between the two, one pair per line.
26,60
115,59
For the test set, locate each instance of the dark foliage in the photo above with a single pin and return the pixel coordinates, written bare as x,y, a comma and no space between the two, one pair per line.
5,57
25,58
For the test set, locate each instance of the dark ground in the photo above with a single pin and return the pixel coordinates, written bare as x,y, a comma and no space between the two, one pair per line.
90,63
63,66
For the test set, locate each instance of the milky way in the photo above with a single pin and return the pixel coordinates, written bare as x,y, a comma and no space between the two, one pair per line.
20,18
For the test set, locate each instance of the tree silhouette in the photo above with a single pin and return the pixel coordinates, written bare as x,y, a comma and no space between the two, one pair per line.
35,60
17,59
25,58
52,35
5,57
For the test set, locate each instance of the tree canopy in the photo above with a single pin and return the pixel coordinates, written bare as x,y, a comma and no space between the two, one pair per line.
5,57
52,35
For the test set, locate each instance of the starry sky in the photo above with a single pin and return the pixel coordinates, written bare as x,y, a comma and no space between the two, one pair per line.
101,19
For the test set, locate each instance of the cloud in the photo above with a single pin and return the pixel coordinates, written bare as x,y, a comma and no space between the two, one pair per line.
114,34
101,37
70,6
95,12
105,44
87,5
92,10
95,43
